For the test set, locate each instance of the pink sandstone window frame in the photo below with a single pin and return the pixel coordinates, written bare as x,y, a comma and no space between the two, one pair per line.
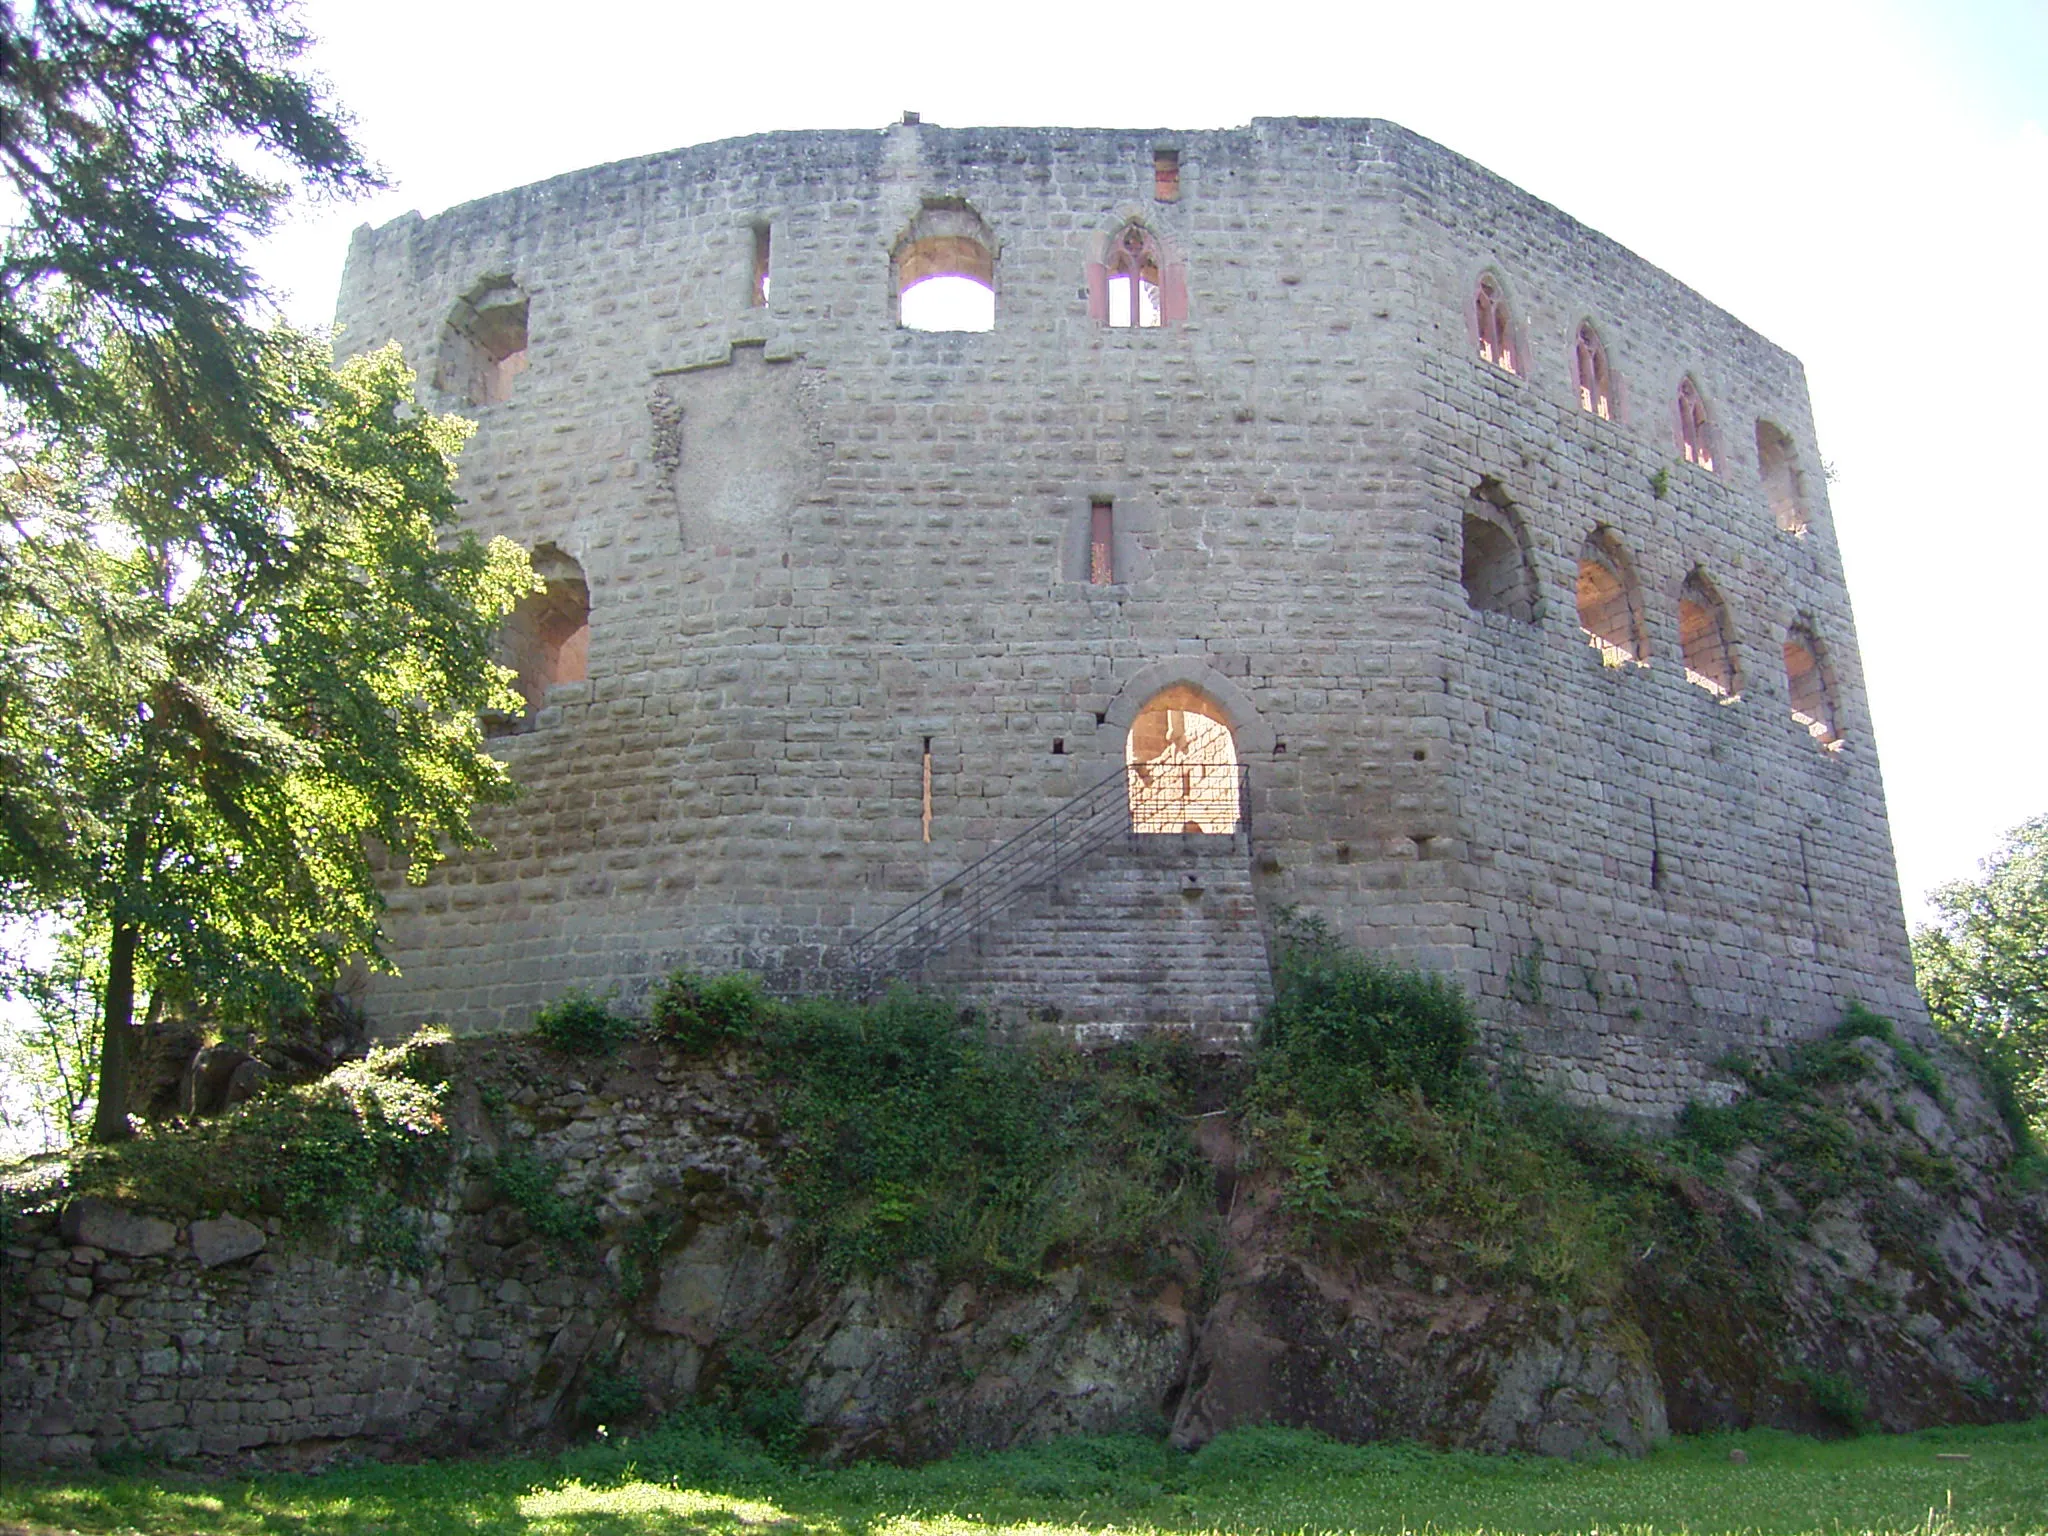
1493,325
1128,253
1695,427
1592,374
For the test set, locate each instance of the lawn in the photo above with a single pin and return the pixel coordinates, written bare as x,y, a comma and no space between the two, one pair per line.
1279,1481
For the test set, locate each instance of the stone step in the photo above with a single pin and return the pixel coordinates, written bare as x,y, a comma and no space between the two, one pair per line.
1154,931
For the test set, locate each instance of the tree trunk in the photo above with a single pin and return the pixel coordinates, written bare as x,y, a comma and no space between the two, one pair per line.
110,1115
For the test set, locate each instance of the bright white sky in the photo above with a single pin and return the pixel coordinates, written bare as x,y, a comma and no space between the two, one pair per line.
1866,184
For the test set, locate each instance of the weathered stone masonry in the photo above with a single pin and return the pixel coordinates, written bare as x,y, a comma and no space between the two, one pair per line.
818,544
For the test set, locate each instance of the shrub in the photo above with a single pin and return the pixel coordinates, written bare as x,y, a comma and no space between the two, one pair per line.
914,1137
698,1012
1837,1397
579,1024
530,1184
1352,1027
342,1152
610,1396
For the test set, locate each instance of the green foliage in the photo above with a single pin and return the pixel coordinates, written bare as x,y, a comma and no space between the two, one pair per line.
50,1049
1660,482
640,1254
1345,1028
341,1153
531,1184
142,146
582,1025
1392,1142
914,1138
1837,1397
698,1013
1983,968
222,687
752,1399
610,1396
683,1476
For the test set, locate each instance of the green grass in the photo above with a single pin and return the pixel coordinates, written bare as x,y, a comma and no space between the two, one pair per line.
1259,1480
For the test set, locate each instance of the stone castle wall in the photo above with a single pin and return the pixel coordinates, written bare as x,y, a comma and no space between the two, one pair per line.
819,545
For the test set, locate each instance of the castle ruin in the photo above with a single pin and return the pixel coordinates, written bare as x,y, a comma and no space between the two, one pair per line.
1293,517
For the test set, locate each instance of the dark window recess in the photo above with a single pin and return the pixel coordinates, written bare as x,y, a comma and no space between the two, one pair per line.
1059,746
1101,544
1166,175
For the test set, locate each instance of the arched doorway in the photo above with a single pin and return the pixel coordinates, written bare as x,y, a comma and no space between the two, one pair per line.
1182,762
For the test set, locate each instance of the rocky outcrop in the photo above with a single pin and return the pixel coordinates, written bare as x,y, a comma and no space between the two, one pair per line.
229,1337
1301,1338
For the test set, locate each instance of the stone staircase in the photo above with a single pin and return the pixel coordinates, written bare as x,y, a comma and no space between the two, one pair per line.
1096,919
1154,931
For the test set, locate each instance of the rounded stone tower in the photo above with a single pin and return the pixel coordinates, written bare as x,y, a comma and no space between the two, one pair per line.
1102,543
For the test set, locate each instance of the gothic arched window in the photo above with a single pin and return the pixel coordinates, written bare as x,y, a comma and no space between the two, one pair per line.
1589,373
1496,329
1695,433
1135,287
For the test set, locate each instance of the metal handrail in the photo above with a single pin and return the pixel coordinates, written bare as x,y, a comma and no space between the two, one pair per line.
1141,798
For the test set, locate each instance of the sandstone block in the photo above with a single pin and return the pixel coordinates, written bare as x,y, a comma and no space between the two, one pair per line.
223,1240
94,1223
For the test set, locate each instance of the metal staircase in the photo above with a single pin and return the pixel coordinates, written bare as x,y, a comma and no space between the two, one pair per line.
1149,798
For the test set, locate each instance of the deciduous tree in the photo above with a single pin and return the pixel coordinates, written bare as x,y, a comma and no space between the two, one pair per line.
231,671
1983,966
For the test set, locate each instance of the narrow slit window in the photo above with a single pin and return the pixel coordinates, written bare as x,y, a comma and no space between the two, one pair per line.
1590,375
1166,175
763,274
1102,543
1496,334
1695,435
1134,284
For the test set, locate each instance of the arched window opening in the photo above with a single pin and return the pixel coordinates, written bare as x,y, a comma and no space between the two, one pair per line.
547,636
1496,330
1135,291
1182,765
1494,562
1138,282
1610,602
945,269
1589,373
1777,460
1695,434
1813,695
1703,637
483,343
